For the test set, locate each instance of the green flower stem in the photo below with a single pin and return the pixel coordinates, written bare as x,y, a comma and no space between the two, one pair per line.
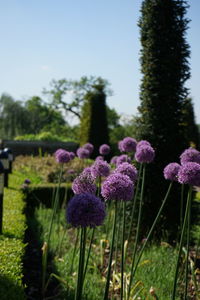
117,237
79,287
88,254
55,205
138,229
188,243
181,206
181,244
152,228
111,255
134,203
74,252
122,251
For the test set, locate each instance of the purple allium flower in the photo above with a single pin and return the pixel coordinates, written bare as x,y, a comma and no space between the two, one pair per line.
87,170
190,155
99,158
142,143
189,173
82,153
145,154
27,181
62,156
120,146
72,155
117,187
129,144
114,160
85,210
127,169
171,171
104,149
84,183
100,168
89,147
123,158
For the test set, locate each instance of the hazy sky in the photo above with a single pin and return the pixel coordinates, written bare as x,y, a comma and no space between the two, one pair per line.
46,39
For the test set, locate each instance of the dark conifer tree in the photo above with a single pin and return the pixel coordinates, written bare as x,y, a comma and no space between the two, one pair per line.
94,127
165,69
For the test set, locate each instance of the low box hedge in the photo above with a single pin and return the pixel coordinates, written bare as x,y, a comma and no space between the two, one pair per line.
12,247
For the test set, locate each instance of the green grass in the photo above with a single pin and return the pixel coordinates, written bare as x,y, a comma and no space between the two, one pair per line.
156,268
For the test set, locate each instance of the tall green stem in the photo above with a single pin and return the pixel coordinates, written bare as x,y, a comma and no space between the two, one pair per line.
181,206
111,255
188,243
122,252
138,229
79,287
152,228
181,244
55,205
134,203
88,254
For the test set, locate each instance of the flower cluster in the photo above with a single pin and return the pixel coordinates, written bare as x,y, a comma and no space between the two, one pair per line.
171,171
128,144
62,156
127,169
85,210
122,158
144,154
83,153
189,173
117,187
100,168
84,183
89,147
104,149
190,155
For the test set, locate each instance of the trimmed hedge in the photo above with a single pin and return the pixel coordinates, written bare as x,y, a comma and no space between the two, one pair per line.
12,247
43,194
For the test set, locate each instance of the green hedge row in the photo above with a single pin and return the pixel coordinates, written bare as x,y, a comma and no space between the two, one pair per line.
12,247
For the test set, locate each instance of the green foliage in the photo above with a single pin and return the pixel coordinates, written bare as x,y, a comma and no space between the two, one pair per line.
11,244
94,126
165,68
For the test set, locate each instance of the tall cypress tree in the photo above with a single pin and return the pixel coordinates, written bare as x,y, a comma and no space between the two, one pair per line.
94,127
165,69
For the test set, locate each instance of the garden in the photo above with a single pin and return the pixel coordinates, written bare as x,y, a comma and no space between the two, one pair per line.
77,227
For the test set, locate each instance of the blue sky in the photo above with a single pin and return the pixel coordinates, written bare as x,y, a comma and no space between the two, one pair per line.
42,40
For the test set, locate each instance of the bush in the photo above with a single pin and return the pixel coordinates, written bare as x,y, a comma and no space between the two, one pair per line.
11,246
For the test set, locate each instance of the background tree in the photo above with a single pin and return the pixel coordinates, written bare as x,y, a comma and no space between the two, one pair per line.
165,68
94,126
13,117
190,127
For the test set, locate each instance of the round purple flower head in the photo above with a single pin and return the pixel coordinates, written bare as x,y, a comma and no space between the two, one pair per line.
89,147
100,168
72,155
84,183
99,158
85,210
82,153
190,155
144,154
120,146
114,160
127,169
87,170
104,149
123,158
171,171
62,156
117,187
129,144
27,181
142,143
189,173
